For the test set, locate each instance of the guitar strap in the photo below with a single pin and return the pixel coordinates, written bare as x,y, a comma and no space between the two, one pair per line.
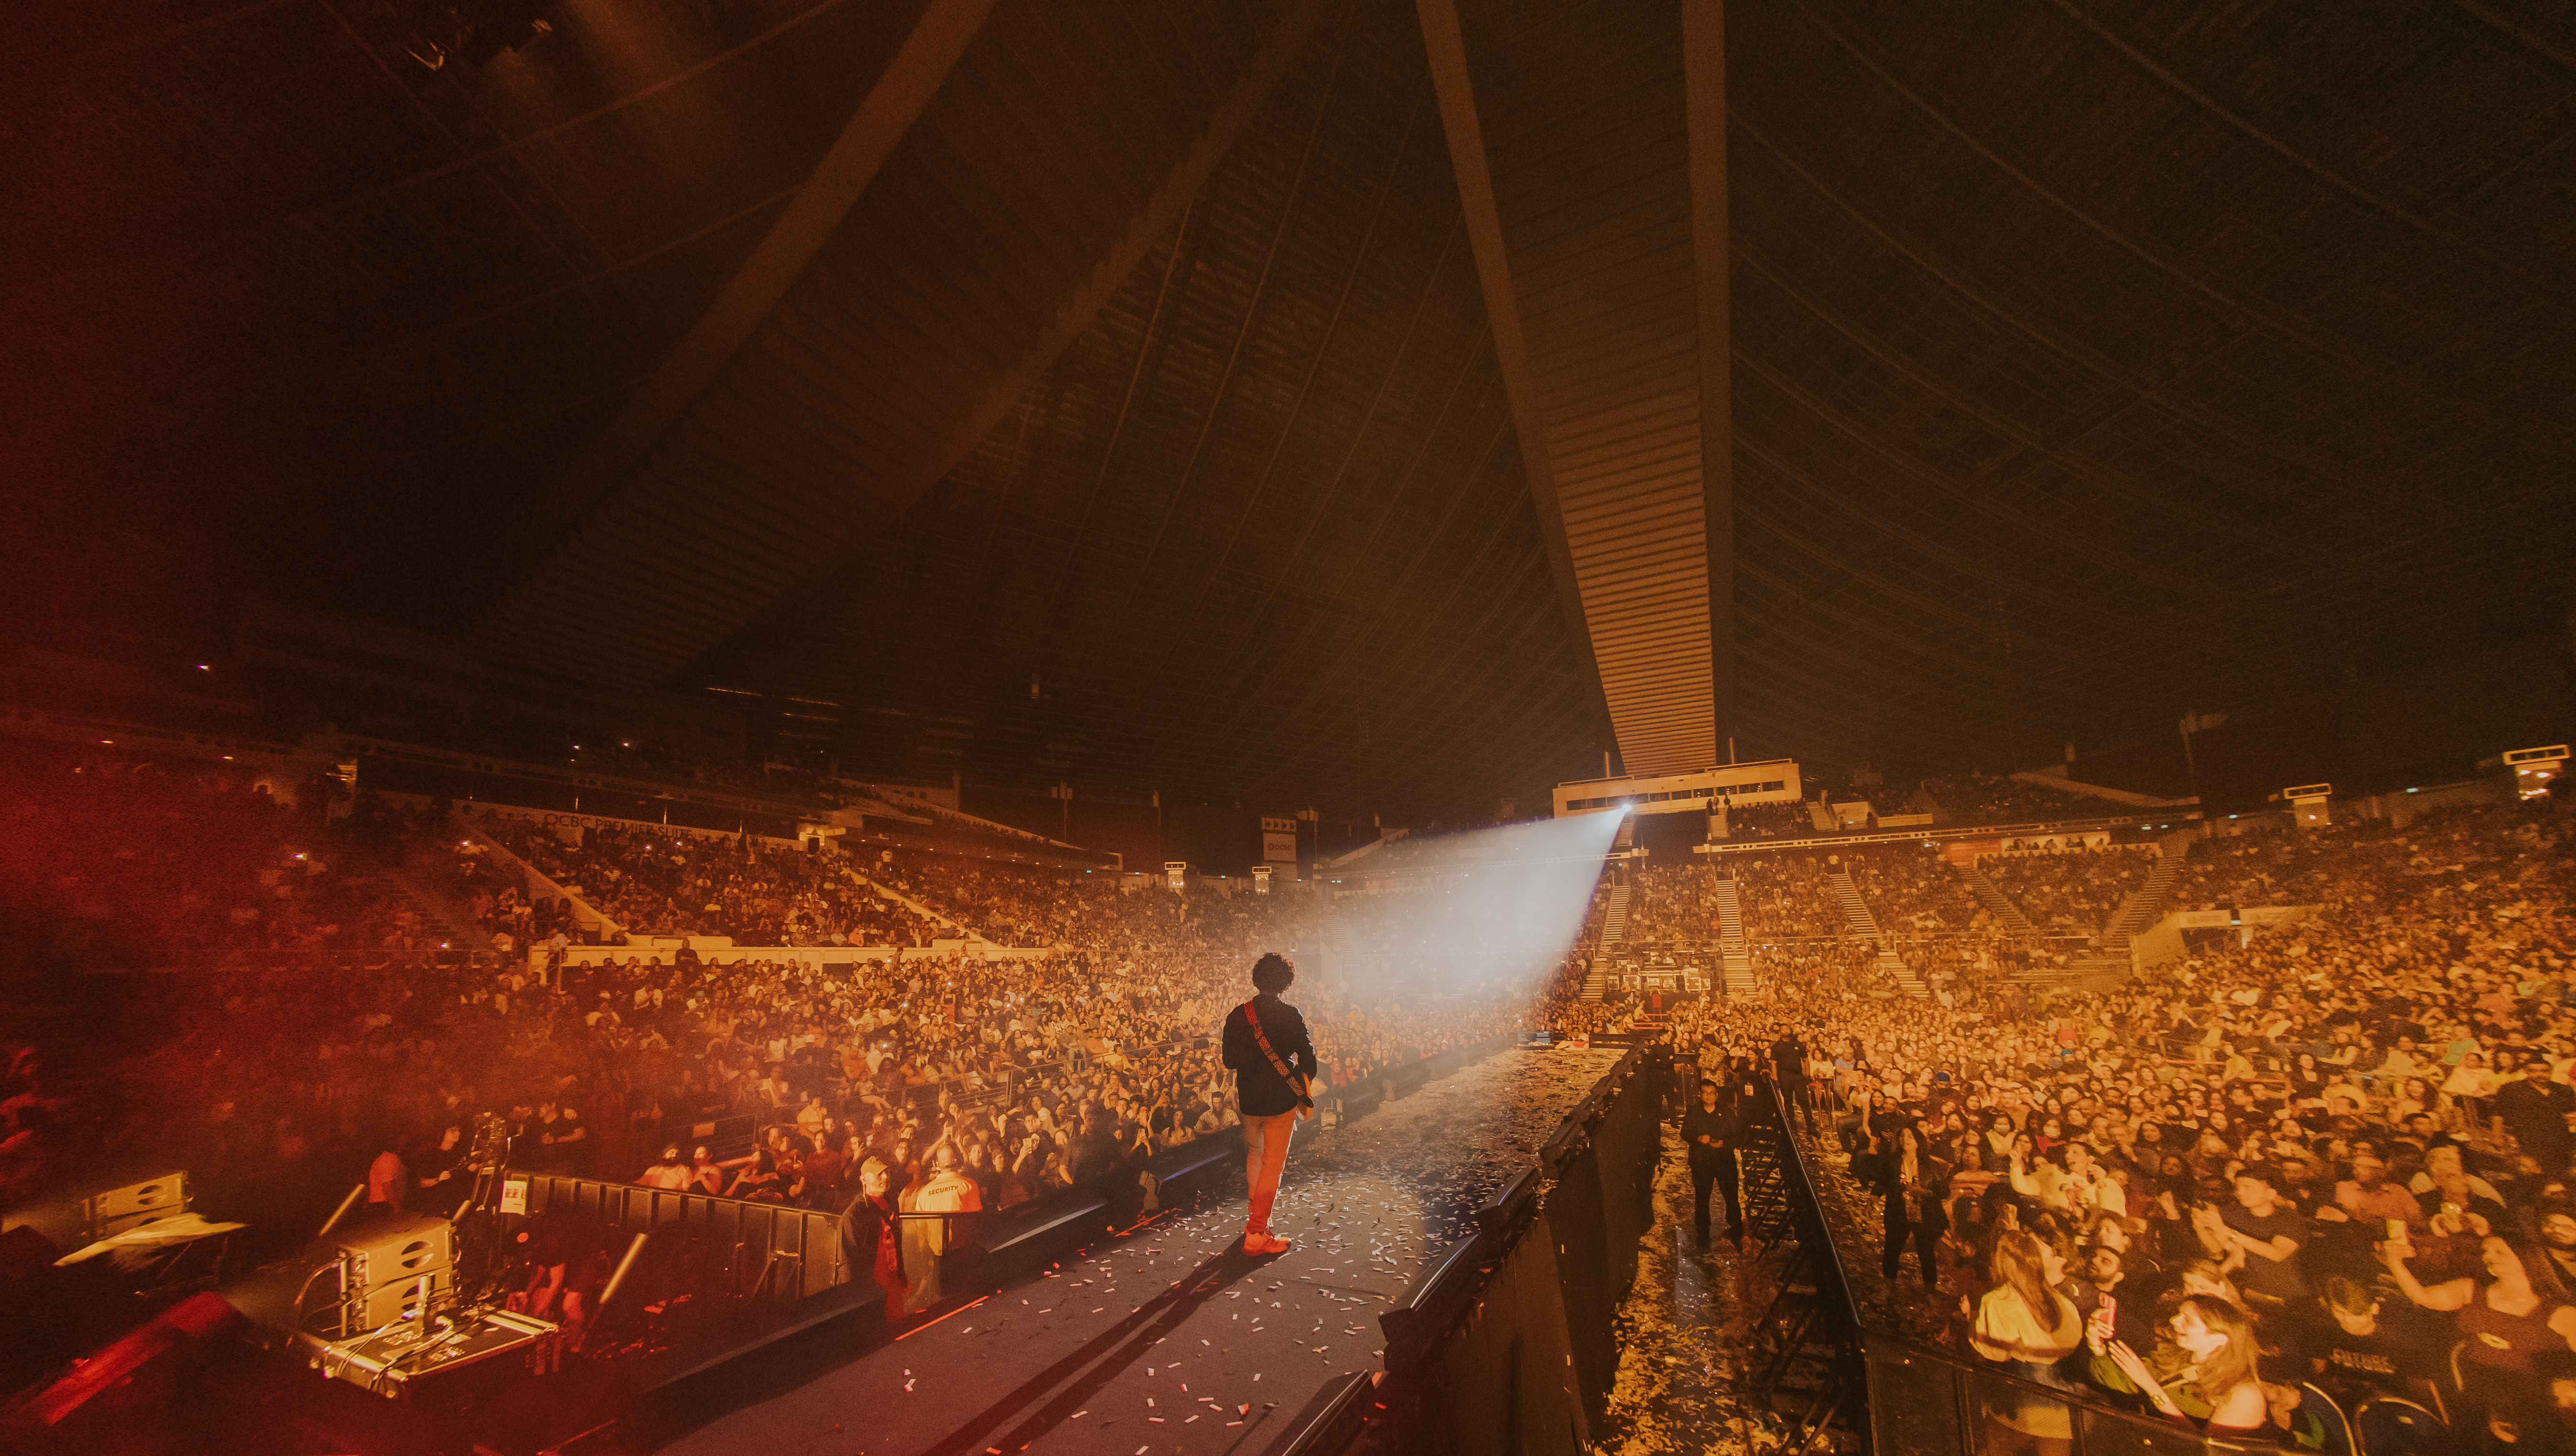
1262,1039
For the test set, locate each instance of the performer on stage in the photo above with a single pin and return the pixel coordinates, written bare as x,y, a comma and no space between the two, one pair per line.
1266,1045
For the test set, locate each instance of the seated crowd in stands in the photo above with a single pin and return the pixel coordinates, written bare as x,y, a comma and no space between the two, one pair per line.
1982,798
1785,895
1769,821
1957,968
2336,1156
2076,892
1911,890
280,1069
2292,867
665,882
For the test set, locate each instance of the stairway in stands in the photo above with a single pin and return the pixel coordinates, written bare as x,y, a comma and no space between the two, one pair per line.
1734,956
388,884
1856,917
1860,923
1899,974
1614,917
884,891
1997,903
2143,908
2147,905
1614,929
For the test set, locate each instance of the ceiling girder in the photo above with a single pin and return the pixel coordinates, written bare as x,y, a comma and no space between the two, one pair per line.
1591,166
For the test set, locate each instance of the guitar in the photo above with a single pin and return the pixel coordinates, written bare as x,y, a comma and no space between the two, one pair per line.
1297,1082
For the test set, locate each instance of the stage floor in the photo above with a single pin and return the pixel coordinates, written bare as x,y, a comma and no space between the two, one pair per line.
1168,1339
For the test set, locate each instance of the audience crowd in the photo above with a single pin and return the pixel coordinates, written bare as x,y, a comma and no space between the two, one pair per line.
1982,798
276,1068
2249,1190
1784,895
1790,820
1913,891
2073,892
2333,1155
665,882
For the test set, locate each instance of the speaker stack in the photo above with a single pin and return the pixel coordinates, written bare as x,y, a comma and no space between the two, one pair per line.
69,1223
393,1269
119,1209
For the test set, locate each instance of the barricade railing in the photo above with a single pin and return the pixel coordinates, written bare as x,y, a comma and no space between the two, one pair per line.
760,1250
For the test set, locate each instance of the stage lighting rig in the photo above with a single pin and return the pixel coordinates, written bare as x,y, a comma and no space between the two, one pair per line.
474,31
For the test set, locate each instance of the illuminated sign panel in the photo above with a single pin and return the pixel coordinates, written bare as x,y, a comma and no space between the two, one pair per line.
1771,782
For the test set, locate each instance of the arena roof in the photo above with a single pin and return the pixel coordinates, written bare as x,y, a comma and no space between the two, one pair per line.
1112,392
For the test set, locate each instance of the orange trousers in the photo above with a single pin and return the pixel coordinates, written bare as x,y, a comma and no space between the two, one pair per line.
1265,1154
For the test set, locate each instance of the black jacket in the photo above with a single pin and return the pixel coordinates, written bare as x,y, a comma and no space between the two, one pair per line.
1789,1055
1724,1129
1258,1085
1932,1177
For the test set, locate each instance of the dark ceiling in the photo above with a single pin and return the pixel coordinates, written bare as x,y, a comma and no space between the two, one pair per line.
1139,424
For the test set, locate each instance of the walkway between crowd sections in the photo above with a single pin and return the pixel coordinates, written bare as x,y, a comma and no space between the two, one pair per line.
1690,1333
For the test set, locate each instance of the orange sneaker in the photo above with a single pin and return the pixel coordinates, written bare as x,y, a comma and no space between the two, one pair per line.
1261,1244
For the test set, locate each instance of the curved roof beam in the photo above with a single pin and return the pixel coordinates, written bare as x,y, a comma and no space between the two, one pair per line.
1589,144
937,41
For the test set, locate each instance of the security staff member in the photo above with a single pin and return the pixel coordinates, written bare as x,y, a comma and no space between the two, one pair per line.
1713,1132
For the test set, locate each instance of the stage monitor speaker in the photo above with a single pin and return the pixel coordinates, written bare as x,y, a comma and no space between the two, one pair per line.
391,1267
401,1300
394,1249
119,1209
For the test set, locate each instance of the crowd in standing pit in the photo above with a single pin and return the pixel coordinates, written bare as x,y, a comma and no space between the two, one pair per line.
2338,1154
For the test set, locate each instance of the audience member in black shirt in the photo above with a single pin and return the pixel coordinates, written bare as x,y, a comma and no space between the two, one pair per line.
1712,1130
2361,1341
1789,1062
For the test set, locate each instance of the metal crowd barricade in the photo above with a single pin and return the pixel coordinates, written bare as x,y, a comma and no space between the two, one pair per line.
770,1250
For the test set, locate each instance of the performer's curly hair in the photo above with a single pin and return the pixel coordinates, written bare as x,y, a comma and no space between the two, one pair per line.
1273,973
